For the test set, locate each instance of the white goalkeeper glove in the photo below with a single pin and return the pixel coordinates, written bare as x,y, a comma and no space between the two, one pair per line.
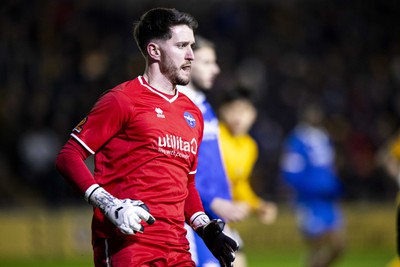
126,214
221,245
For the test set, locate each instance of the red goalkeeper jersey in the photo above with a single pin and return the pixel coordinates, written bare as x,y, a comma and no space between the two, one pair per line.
145,145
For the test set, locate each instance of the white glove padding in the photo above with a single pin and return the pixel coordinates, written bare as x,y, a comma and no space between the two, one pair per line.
126,214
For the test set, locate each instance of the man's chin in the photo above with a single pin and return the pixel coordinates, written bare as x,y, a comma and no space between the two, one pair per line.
207,87
183,81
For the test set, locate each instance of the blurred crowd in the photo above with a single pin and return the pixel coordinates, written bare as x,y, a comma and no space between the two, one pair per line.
57,57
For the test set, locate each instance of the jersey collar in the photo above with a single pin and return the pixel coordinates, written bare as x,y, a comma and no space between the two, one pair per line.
170,99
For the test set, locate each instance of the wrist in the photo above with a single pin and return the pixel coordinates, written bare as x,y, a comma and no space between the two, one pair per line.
89,192
100,198
199,219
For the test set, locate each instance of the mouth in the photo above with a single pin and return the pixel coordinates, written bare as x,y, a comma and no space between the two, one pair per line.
187,67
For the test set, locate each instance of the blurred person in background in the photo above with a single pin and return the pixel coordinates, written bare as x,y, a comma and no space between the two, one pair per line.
145,136
389,158
211,179
308,167
37,149
237,114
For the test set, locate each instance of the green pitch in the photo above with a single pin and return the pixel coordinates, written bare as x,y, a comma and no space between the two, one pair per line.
266,258
62,238
292,259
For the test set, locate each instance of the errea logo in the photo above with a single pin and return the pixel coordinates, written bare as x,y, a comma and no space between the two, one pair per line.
159,112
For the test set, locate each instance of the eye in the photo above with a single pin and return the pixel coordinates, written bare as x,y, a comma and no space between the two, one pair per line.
182,45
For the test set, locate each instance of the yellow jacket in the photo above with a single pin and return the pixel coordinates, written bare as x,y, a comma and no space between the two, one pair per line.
239,154
395,148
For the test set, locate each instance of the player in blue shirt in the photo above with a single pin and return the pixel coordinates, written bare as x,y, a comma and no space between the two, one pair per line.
211,179
308,167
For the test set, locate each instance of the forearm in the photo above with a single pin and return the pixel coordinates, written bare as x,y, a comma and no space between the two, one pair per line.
211,189
70,163
193,202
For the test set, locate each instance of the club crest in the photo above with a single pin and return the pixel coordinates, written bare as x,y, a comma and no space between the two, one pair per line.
190,119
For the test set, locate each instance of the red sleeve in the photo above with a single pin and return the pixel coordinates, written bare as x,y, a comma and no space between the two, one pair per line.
193,202
106,118
70,163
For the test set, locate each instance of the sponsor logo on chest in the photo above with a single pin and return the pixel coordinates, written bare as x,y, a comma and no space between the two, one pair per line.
176,146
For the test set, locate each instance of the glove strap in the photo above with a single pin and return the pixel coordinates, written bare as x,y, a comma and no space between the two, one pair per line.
100,198
90,191
199,219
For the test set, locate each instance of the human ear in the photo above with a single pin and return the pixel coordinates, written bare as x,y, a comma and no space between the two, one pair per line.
153,50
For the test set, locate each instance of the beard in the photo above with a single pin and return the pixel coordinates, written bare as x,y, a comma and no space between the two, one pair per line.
169,70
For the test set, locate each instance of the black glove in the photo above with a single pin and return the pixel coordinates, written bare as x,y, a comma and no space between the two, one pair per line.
222,246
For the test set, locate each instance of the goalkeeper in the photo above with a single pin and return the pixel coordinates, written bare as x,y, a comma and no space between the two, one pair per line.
145,136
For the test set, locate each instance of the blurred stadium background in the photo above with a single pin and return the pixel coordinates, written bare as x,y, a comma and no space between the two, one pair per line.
57,57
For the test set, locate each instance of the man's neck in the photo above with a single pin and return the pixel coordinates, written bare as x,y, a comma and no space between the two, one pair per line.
160,83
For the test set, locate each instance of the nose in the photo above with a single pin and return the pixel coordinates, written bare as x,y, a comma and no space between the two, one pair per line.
190,54
217,69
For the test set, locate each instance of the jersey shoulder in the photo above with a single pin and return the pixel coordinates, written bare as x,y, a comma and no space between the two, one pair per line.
130,93
127,89
190,105
184,98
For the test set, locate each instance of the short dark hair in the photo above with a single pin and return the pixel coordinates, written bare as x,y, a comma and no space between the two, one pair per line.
239,93
156,24
202,42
